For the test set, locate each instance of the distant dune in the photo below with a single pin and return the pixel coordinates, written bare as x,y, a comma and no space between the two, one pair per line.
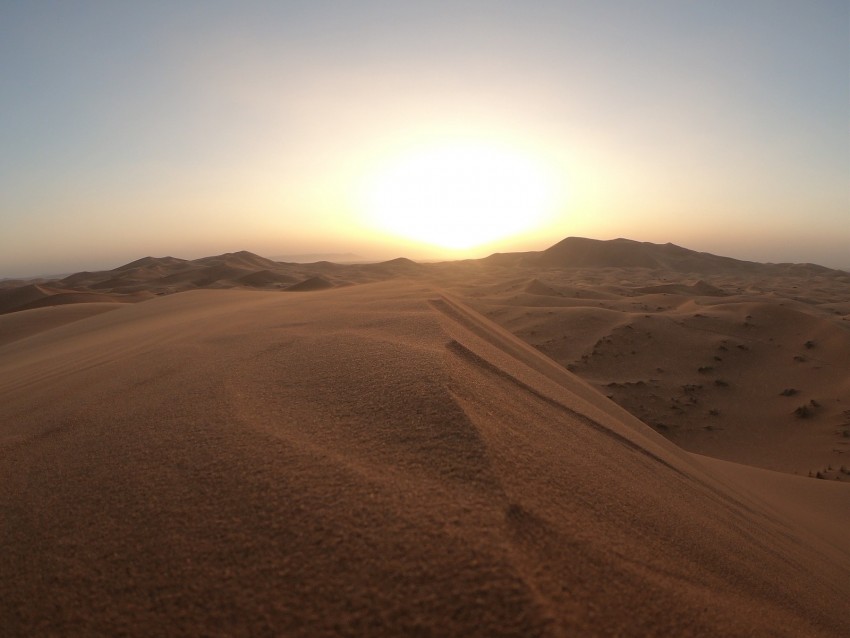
19,325
152,263
311,258
537,444
166,275
263,278
699,289
622,253
313,283
13,298
747,364
660,329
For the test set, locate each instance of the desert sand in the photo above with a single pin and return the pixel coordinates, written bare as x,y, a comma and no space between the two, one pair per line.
528,445
741,361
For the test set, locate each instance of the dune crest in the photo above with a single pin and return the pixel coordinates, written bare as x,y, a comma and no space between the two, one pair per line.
313,283
734,359
377,459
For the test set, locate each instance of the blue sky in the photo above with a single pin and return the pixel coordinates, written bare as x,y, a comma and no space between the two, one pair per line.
191,128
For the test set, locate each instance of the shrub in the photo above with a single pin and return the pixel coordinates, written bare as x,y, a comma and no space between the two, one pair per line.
802,412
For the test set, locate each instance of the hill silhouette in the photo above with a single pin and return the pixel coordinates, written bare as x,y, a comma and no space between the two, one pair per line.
579,252
167,275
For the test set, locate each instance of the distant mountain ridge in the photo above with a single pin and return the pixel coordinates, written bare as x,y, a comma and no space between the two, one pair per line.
581,252
626,253
150,276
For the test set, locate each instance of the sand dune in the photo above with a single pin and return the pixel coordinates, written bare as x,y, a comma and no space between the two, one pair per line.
19,325
699,289
625,253
152,263
263,278
14,298
711,351
375,459
167,275
705,358
241,259
756,374
381,459
313,283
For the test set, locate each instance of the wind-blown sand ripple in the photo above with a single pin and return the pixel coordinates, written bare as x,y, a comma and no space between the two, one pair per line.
372,460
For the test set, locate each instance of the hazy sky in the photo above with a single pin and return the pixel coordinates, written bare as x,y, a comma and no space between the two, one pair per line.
193,128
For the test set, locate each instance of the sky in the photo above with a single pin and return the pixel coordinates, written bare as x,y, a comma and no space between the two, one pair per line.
421,129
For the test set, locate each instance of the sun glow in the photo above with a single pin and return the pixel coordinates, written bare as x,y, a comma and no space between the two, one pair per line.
460,195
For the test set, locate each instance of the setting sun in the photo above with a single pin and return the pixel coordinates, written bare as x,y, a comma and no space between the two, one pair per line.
459,195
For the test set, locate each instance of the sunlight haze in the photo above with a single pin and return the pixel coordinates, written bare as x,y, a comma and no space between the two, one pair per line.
460,195
428,130
454,318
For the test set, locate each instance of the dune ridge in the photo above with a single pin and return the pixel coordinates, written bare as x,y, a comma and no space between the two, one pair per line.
372,459
750,373
243,269
737,360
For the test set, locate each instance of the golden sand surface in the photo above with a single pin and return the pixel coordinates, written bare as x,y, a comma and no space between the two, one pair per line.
377,459
600,439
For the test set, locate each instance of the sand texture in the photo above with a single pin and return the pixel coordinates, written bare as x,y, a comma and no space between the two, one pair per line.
375,460
741,361
582,441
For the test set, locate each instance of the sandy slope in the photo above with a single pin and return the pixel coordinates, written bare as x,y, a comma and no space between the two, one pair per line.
747,367
734,359
374,460
18,325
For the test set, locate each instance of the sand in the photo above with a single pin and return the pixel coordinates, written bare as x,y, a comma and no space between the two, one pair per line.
383,459
743,367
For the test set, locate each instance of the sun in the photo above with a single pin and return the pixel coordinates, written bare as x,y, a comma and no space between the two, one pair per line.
459,195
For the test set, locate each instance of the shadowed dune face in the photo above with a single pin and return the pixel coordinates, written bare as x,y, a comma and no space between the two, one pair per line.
150,276
376,459
741,366
19,325
313,283
625,253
